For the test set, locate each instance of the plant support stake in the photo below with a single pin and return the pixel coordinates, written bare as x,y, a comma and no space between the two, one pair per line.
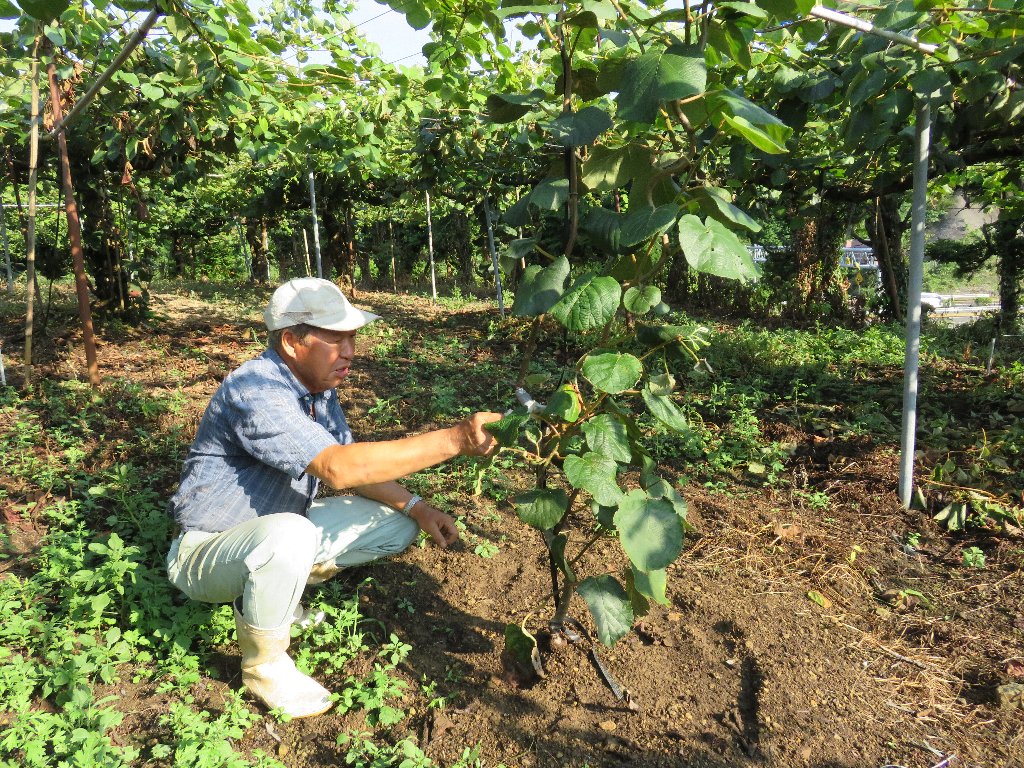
74,234
430,250
827,14
305,249
922,140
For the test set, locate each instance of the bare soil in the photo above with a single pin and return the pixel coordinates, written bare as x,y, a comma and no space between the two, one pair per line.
795,636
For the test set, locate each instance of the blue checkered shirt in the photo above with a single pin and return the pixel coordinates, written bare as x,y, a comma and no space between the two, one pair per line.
259,433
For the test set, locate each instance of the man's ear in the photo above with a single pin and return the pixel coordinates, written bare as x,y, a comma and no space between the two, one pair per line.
289,341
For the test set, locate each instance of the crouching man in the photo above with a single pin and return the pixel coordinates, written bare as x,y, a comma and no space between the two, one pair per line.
251,530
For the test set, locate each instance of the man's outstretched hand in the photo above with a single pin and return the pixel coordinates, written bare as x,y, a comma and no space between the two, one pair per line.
474,440
437,524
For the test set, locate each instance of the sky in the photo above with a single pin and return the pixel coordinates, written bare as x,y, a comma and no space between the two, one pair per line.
399,43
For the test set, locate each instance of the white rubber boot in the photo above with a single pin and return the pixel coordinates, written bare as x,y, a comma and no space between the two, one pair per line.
321,572
270,674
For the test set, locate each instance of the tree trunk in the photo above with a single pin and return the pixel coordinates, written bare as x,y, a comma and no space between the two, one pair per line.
338,257
1009,241
255,230
30,237
886,231
805,250
830,286
360,257
678,280
75,234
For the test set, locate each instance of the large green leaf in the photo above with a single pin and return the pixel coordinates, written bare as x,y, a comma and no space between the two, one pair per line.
580,128
565,404
720,201
609,605
605,228
509,107
613,372
44,10
730,39
540,288
514,251
8,10
643,223
650,531
787,10
651,584
557,549
608,436
506,429
152,92
735,114
550,195
589,304
639,602
606,169
517,214
664,410
658,76
641,299
594,474
522,649
542,508
710,247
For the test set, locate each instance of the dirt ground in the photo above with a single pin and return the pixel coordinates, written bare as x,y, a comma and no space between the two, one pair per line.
795,637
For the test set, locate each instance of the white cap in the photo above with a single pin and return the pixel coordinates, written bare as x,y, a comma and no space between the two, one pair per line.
315,302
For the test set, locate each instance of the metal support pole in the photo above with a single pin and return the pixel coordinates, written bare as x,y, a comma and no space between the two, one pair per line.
316,226
430,249
922,140
827,14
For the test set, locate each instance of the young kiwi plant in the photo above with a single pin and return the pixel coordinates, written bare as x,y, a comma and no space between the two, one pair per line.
593,477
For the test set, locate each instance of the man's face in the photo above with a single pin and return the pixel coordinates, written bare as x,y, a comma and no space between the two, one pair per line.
322,359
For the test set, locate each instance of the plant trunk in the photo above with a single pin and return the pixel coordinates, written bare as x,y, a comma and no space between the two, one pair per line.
356,257
1010,248
30,235
255,237
830,287
75,234
805,250
7,250
678,279
572,204
338,255
886,230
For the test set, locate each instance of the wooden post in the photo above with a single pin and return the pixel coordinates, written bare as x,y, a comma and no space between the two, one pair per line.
74,233
305,249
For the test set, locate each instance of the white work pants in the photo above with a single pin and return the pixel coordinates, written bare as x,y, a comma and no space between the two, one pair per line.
266,561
